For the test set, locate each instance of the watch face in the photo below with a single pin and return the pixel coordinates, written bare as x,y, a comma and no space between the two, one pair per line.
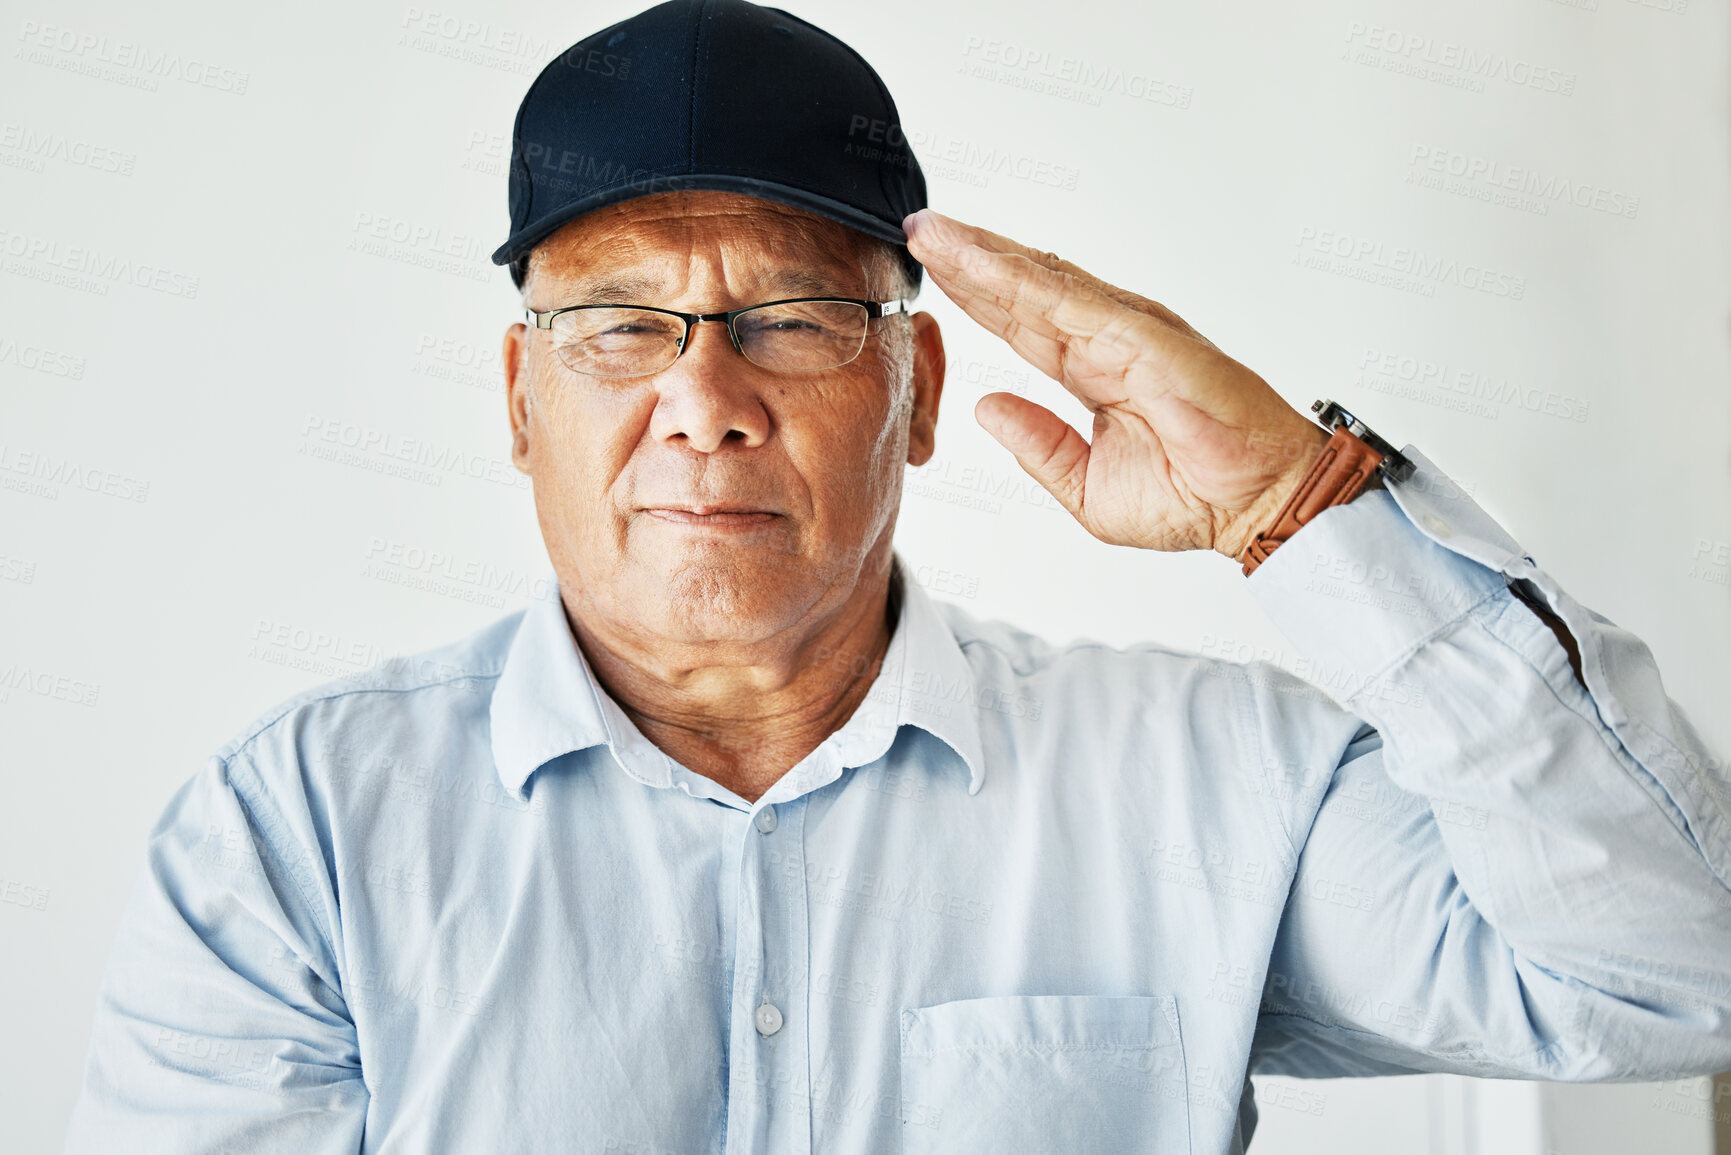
1333,416
1330,414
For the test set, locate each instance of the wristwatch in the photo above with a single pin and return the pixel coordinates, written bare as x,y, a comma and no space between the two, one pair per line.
1353,458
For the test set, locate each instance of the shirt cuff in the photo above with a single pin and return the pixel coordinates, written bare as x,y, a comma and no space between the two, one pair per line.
1363,585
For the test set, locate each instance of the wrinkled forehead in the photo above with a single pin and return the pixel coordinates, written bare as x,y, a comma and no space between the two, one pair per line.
651,239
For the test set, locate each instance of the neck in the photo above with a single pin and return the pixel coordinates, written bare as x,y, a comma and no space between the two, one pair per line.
746,723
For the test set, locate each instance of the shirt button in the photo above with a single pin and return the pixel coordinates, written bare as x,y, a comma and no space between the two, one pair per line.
768,1019
1437,525
766,819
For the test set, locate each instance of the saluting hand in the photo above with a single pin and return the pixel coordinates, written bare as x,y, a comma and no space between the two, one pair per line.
1190,449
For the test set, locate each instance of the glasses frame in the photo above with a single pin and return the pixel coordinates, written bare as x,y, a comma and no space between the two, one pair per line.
874,310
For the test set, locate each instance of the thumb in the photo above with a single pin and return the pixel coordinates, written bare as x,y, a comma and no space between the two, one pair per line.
1044,444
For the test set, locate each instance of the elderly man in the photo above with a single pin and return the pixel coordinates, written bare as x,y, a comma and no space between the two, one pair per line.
744,844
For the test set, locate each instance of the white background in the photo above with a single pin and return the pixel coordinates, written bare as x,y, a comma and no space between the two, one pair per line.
186,564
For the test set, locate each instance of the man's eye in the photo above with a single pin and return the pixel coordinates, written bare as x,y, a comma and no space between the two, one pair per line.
615,329
786,322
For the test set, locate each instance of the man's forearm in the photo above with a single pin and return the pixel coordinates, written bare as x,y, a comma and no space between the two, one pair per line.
1574,808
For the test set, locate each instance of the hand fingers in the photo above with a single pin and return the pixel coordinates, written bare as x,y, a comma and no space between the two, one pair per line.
934,231
1065,328
1043,444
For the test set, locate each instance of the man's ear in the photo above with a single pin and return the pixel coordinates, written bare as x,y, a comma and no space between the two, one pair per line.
518,392
928,389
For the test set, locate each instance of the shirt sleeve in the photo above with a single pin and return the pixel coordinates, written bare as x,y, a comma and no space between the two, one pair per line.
1513,872
221,1026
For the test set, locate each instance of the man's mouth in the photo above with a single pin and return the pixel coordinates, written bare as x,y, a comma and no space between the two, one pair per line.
716,516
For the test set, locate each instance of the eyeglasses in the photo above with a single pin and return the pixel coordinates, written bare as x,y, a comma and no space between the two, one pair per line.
797,335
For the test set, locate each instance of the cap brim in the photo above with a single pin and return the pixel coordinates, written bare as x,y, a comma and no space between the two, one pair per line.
835,210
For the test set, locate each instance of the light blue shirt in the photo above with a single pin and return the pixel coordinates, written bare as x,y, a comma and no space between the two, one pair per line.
1028,898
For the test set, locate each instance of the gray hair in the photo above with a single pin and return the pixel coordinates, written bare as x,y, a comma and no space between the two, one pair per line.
888,278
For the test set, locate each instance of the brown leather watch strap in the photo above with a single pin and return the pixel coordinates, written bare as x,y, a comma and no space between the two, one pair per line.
1339,474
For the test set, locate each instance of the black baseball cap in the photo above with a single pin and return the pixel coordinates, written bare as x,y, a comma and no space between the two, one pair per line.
711,94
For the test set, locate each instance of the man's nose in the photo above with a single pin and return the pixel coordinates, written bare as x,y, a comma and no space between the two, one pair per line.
711,395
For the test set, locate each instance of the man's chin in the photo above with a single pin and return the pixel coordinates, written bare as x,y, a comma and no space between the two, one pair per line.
716,601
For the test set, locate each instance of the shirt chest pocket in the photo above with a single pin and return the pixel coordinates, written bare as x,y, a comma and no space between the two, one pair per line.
1044,1073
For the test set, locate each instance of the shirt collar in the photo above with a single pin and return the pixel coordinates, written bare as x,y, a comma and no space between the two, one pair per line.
547,702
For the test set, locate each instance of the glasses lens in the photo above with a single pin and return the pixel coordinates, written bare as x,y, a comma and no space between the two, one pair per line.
802,336
612,342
